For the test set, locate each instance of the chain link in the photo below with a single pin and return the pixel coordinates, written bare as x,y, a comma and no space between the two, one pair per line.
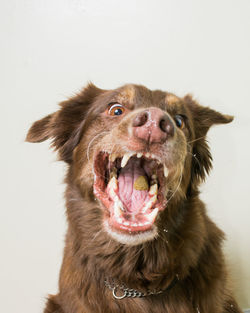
127,292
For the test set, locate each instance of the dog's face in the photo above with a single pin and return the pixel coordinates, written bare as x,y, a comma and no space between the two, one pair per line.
133,150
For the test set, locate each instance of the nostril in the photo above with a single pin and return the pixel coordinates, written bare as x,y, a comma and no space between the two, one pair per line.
140,119
153,126
166,126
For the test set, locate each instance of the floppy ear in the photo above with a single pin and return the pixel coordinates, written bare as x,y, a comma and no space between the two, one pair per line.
64,126
203,119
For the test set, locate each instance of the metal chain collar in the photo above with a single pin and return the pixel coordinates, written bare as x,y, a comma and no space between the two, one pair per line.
130,293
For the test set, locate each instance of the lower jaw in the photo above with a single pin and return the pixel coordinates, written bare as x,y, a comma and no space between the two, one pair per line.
129,227
130,237
132,223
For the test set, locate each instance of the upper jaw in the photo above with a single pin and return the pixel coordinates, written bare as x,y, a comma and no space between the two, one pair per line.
119,217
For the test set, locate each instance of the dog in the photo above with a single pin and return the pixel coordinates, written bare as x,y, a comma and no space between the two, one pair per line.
139,239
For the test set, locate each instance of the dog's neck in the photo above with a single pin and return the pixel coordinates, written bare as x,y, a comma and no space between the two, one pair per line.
139,267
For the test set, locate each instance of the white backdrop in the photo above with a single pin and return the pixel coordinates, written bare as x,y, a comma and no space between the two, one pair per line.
50,49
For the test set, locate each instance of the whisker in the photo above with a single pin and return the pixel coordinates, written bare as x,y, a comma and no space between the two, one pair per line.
72,200
178,186
162,237
111,154
136,254
94,237
92,140
196,139
196,160
109,243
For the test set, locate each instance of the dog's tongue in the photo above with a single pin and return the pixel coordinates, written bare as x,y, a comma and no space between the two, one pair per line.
133,186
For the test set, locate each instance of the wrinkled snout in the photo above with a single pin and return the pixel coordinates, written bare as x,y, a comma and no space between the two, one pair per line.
153,126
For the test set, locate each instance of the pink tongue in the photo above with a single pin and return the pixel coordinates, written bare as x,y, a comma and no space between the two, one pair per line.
131,198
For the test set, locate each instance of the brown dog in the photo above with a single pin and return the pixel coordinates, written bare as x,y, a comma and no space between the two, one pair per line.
139,239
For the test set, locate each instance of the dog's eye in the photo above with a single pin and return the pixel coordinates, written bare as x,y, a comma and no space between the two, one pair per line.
180,122
116,109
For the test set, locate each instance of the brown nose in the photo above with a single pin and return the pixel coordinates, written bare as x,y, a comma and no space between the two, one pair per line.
153,126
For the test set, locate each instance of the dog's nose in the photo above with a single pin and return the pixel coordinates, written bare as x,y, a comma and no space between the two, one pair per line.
153,126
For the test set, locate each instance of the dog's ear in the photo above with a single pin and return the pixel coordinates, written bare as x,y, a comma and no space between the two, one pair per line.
64,126
203,119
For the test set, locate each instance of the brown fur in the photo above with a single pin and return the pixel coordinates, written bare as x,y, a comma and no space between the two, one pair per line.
191,249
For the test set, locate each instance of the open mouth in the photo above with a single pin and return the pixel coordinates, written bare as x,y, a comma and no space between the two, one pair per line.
131,187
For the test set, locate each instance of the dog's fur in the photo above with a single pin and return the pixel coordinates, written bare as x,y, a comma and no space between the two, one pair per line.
187,245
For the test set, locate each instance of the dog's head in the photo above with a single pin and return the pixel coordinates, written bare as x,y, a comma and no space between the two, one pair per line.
132,149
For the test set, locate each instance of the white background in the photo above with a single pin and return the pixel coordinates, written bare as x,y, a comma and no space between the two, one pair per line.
50,49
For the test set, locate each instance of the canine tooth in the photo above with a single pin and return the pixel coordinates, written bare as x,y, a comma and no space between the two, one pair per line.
125,159
165,169
117,209
118,201
113,157
151,217
153,199
153,190
112,186
119,220
149,204
139,155
147,155
113,183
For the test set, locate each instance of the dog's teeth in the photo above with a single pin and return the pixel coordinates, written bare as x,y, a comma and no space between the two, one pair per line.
126,223
153,199
165,169
139,155
153,180
151,217
117,208
119,220
153,156
112,187
125,159
113,183
147,155
150,203
113,157
147,206
153,190
113,172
